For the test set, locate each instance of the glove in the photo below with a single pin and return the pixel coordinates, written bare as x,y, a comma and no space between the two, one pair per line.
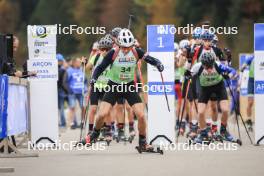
160,67
187,74
92,82
225,76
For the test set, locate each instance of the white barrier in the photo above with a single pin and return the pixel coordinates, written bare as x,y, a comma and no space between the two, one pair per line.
43,88
161,122
259,81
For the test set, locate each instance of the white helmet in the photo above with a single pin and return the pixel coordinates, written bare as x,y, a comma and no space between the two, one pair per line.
183,43
215,38
125,38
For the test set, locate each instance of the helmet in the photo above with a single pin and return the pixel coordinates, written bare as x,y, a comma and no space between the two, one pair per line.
105,42
114,32
59,57
184,43
207,35
108,36
125,38
215,38
95,45
176,47
197,33
207,59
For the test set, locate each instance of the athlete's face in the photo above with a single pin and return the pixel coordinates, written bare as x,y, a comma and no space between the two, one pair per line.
125,50
207,43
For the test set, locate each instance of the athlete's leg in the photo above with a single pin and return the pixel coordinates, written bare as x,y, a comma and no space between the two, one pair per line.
138,108
103,112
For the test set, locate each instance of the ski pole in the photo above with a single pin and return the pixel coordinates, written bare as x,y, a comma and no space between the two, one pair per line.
183,108
237,111
165,93
85,117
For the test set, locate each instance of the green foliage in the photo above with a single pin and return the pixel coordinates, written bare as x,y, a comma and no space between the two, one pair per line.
15,15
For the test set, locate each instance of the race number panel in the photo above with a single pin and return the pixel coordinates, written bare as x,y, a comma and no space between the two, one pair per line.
259,80
160,44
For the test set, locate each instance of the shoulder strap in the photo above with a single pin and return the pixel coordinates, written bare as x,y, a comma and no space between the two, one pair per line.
217,68
115,53
200,70
96,58
197,53
135,53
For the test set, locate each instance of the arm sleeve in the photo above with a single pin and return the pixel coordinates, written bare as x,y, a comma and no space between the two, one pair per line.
223,68
195,69
149,59
65,84
105,63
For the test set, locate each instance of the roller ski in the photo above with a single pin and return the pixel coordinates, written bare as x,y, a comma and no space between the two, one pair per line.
193,131
102,134
108,139
182,128
90,139
204,137
144,147
249,125
226,136
121,136
216,135
132,135
108,135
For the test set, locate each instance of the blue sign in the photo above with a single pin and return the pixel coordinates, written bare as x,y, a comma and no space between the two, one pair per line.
242,61
259,87
160,38
259,37
157,88
3,105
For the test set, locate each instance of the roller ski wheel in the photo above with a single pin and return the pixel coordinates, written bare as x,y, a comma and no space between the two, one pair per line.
143,149
239,142
205,137
226,136
108,140
130,139
217,137
132,135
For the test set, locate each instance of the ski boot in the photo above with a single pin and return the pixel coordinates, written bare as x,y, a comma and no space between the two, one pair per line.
193,131
249,124
108,135
120,135
91,138
182,128
215,134
132,135
145,147
205,137
226,136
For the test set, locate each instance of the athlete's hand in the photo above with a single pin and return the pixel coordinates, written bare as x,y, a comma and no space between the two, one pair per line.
160,67
187,74
92,82
226,76
84,60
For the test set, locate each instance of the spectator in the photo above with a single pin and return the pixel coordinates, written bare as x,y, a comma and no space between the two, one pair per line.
75,84
62,92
